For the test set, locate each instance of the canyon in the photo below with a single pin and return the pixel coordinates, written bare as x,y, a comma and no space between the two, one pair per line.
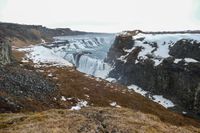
99,77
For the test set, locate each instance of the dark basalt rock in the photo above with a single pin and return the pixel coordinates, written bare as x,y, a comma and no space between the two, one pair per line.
5,53
23,89
117,48
186,48
179,82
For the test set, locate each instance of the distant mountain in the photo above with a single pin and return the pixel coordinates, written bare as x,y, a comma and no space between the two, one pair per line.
20,35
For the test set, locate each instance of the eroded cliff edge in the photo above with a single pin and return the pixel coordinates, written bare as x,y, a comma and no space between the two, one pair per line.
161,63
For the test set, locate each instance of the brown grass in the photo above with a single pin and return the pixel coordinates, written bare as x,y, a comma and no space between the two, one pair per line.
101,93
90,120
76,85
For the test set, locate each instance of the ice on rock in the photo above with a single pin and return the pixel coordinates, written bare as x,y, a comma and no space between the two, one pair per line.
162,44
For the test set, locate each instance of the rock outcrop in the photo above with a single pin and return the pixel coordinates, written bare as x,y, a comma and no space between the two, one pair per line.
5,53
165,64
22,89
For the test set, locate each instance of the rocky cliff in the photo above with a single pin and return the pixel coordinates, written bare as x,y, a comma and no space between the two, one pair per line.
161,63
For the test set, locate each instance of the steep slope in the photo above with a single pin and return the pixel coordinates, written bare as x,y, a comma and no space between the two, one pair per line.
78,90
161,63
22,89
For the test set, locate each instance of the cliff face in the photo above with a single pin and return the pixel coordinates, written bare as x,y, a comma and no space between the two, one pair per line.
165,64
21,35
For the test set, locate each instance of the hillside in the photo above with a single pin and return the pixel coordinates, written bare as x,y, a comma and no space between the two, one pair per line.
92,120
21,35
41,91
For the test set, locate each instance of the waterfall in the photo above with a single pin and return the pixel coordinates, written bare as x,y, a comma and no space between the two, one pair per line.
85,52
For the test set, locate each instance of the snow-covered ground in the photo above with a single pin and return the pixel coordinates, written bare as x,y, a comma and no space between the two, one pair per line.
79,105
156,45
156,98
42,55
187,60
114,104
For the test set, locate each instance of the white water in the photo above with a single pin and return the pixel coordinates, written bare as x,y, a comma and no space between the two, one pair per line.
86,52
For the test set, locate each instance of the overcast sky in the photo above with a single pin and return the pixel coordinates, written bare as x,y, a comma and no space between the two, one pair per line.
104,15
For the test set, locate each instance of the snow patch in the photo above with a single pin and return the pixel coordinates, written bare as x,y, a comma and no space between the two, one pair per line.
39,54
79,105
137,89
112,80
69,98
177,60
190,60
162,101
156,98
156,45
187,60
63,98
114,104
184,112
50,74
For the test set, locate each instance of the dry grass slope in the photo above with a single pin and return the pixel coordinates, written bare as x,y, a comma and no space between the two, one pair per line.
92,120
